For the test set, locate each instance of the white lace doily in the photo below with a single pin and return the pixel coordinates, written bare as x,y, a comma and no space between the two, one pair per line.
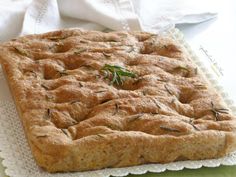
19,162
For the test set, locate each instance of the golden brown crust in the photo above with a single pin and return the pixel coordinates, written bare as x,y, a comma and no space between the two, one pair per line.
76,120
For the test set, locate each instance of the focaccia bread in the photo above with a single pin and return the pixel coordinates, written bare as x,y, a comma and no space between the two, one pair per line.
91,100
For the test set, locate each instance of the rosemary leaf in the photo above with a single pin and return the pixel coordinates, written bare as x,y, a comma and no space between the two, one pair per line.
155,102
44,86
169,129
20,51
63,73
168,90
100,91
200,86
79,51
135,117
162,80
106,100
113,40
75,101
83,41
154,113
173,100
31,72
116,109
49,97
65,131
41,136
165,47
182,68
101,135
137,81
57,38
119,79
185,69
108,55
194,126
216,111
222,110
131,49
36,61
144,92
97,76
47,114
115,79
196,71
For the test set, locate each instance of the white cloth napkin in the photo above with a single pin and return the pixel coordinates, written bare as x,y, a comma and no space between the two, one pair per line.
38,16
11,18
160,14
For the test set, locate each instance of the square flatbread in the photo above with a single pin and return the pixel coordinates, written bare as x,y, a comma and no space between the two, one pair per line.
91,100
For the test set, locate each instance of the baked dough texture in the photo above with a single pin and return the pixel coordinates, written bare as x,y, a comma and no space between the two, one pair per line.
76,119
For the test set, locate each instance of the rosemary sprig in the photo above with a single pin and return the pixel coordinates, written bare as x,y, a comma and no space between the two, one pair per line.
169,129
217,111
117,73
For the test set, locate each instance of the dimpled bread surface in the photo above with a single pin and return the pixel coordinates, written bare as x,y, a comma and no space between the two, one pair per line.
76,119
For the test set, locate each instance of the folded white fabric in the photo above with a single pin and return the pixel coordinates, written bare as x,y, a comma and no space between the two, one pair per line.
46,15
160,14
11,18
